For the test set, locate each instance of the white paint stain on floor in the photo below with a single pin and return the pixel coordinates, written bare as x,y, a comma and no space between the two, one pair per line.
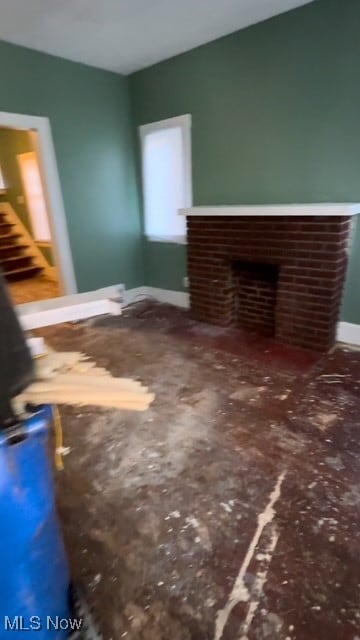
203,536
259,582
240,592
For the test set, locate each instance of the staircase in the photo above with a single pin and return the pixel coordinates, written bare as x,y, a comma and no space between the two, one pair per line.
15,262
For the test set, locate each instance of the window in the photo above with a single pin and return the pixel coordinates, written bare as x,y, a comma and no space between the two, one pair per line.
166,171
2,181
34,194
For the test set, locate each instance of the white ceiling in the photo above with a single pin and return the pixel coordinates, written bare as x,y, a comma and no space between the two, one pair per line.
127,35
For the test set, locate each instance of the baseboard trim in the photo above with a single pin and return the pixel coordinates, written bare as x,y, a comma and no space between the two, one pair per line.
137,294
349,333
110,300
176,298
79,306
346,332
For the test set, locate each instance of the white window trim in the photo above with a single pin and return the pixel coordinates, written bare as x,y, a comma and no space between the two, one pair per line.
183,121
170,239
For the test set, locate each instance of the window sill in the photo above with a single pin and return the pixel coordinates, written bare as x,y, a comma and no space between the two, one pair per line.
168,239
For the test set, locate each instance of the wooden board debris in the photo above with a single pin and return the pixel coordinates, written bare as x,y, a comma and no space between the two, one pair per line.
72,378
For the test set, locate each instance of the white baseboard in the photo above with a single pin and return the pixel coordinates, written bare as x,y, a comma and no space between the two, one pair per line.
348,332
79,306
176,298
111,299
130,296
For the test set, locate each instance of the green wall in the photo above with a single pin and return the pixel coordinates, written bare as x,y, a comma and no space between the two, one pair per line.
90,118
275,119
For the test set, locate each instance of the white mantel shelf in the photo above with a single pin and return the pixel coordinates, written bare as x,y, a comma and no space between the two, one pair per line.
317,209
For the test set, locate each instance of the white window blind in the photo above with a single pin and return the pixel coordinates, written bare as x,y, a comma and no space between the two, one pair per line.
166,167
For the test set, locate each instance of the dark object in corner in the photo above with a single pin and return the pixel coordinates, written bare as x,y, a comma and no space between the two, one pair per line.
16,365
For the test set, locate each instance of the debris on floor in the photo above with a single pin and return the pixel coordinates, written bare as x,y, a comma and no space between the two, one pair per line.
206,498
72,378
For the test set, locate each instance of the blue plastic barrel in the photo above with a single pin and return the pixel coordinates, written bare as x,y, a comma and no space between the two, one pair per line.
34,575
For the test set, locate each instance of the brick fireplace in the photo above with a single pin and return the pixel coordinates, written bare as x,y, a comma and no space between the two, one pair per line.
279,275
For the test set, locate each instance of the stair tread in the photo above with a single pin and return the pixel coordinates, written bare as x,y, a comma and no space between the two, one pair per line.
17,258
22,270
13,246
10,235
16,261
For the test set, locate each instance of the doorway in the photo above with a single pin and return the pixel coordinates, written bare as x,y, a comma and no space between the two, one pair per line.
35,253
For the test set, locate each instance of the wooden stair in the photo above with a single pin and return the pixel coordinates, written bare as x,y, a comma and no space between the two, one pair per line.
15,261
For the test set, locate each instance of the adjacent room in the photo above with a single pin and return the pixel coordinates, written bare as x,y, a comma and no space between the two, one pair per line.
180,247
26,255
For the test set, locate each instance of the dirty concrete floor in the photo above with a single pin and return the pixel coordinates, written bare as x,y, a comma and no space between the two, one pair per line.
231,508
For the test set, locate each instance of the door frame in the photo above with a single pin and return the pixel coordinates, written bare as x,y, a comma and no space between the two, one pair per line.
45,151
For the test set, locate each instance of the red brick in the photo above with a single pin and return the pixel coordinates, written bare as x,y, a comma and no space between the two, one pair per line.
310,253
